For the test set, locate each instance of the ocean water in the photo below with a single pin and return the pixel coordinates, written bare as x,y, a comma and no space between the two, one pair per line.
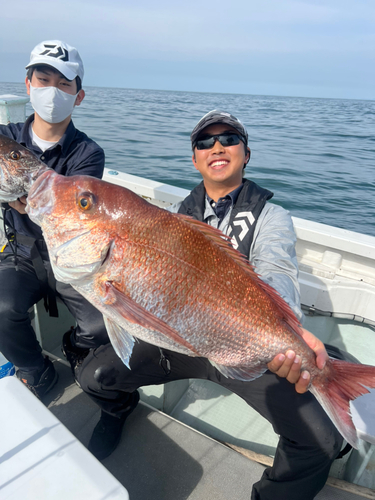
316,155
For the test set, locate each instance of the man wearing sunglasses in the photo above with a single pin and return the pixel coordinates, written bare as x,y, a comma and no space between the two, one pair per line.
264,233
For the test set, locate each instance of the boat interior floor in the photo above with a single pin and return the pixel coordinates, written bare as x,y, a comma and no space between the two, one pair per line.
162,458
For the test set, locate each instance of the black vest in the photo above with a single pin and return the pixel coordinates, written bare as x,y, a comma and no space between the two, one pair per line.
245,213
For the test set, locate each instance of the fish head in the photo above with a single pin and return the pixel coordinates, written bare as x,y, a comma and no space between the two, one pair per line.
19,167
79,218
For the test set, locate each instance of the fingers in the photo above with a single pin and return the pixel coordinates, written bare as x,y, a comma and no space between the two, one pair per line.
295,370
303,382
18,205
286,366
289,366
276,363
321,358
282,364
317,346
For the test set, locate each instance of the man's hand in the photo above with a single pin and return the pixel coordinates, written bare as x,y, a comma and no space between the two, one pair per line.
19,204
289,365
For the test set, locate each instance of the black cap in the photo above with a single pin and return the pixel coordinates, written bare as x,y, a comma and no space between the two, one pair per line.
217,116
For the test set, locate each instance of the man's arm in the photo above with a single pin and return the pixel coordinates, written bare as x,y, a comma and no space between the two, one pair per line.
11,130
274,258
273,254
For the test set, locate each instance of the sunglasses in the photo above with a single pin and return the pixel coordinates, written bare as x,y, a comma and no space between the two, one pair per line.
226,139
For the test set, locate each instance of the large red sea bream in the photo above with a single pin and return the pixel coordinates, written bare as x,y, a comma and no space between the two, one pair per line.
177,283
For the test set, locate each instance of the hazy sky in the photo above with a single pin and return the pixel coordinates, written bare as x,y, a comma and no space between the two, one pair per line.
317,48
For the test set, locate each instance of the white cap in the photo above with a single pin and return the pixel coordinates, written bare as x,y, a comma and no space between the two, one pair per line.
60,56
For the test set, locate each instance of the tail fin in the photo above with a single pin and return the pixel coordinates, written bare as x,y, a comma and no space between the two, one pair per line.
340,383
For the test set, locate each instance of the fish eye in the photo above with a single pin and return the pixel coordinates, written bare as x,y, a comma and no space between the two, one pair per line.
85,201
15,155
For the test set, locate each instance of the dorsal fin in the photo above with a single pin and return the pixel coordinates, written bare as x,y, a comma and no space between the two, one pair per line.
224,243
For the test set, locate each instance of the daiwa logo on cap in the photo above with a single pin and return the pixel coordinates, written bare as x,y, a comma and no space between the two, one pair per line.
60,52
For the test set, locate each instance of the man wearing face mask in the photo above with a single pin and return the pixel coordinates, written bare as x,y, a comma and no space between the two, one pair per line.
54,83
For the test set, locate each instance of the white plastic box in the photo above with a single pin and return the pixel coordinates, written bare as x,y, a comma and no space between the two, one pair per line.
40,459
12,108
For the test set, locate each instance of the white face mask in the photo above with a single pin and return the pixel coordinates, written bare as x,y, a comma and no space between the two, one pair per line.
52,104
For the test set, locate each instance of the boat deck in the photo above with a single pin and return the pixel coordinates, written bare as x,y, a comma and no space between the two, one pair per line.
160,458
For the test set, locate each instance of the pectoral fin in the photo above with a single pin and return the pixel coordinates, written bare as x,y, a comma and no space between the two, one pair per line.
121,340
128,309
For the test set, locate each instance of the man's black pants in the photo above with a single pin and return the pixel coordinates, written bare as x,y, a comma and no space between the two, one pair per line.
308,443
19,290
